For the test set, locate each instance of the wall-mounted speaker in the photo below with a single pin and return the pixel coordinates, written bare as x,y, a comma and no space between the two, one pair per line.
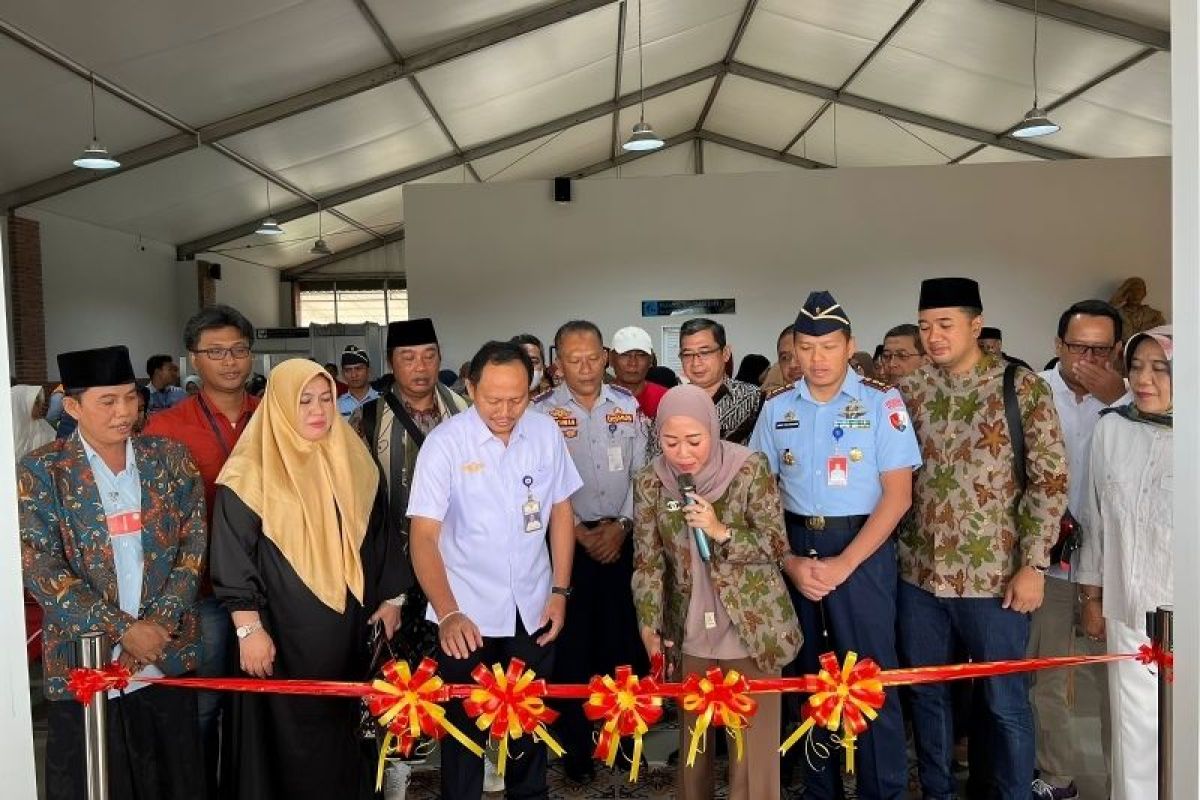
214,271
562,190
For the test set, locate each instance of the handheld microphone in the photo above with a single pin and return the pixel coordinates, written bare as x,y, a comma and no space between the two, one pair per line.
687,486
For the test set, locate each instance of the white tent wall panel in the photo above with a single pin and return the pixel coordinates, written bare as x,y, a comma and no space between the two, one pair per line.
870,140
677,160
1100,131
997,155
551,155
1143,90
817,40
970,61
737,112
678,37
720,159
528,80
416,25
767,239
1155,13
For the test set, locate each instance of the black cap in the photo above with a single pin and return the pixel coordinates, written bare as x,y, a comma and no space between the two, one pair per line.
990,333
949,293
820,315
411,333
103,366
354,355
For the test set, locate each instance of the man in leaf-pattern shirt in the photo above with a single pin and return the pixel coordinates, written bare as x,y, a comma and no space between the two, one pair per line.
974,549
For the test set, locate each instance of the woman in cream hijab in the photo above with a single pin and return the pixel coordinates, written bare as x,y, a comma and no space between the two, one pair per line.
301,558
30,429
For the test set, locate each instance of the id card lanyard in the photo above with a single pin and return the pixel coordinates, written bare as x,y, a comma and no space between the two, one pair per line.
531,510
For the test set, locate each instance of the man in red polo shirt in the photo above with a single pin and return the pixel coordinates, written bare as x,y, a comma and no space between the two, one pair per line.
632,354
209,424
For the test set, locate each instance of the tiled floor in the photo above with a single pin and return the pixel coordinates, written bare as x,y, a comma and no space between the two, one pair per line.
657,782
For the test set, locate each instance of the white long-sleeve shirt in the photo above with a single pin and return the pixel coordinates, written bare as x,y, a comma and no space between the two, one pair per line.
1127,519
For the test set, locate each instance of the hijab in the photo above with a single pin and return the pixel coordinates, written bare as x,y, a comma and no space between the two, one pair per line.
28,433
314,498
1166,339
724,458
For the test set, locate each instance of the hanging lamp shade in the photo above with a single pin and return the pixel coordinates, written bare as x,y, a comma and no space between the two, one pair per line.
96,157
1035,124
643,138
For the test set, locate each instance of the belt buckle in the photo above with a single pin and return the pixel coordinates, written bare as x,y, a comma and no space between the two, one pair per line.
815,523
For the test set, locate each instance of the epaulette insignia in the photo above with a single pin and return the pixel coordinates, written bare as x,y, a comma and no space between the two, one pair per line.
620,390
544,395
875,384
778,391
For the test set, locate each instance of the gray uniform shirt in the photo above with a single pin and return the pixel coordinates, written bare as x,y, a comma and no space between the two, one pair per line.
607,444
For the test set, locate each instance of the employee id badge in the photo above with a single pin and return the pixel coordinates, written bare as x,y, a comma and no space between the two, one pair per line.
837,471
616,459
532,511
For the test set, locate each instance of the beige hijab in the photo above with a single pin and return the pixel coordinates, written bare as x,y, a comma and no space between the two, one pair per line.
299,487
28,433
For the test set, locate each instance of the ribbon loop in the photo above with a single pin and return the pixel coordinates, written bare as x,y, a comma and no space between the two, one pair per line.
509,704
848,698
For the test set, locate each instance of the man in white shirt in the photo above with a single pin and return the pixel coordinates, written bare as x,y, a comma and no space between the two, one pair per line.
488,484
1084,382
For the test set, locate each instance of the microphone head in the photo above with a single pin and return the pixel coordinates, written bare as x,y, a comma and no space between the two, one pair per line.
687,483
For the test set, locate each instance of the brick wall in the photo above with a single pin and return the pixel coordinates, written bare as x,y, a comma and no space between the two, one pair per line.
24,268
205,285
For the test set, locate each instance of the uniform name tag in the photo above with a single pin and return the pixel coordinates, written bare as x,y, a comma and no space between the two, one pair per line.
787,423
858,423
617,417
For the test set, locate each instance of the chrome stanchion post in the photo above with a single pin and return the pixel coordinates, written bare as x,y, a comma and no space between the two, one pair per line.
1163,638
94,652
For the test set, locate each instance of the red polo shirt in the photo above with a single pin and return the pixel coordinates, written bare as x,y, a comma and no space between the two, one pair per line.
650,397
197,424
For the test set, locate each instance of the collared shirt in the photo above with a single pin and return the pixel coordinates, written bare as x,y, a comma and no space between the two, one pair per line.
737,409
121,497
162,399
798,436
1078,417
971,528
189,422
607,445
478,489
651,395
347,404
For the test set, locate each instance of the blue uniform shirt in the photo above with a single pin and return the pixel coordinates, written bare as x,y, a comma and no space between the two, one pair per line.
796,434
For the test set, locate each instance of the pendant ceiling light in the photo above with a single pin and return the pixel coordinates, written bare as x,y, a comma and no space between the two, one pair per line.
1036,123
96,155
644,137
320,248
269,227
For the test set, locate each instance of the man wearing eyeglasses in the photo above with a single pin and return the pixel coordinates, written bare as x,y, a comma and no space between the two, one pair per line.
209,424
902,352
1084,383
704,352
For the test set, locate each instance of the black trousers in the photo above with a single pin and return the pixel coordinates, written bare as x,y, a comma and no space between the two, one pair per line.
462,771
600,634
154,750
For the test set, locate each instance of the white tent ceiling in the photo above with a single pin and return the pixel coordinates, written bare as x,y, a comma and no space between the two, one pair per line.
340,103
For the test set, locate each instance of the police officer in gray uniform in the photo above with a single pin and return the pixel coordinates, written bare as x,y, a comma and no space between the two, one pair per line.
844,451
606,434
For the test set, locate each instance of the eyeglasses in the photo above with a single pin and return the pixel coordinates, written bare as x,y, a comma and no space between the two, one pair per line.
897,355
698,355
1098,350
238,351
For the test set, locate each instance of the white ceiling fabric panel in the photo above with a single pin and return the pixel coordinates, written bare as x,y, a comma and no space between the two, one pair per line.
55,112
679,37
1155,13
528,80
174,200
870,140
384,211
816,40
549,156
1143,90
417,25
718,158
346,143
203,61
738,112
970,61
997,155
1099,131
677,160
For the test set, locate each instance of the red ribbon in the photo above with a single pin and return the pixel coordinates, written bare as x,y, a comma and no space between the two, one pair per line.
85,682
1163,659
848,697
629,706
719,699
510,704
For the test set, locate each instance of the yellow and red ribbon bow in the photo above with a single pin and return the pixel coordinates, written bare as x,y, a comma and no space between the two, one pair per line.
849,696
1164,659
407,704
510,704
84,682
721,700
629,706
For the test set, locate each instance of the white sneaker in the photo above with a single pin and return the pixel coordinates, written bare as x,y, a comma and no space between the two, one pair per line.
395,780
492,782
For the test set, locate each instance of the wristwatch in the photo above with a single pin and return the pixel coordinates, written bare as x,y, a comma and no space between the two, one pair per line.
244,631
565,591
626,524
397,601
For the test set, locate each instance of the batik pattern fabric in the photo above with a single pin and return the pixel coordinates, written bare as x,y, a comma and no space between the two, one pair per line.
738,404
970,527
67,555
744,570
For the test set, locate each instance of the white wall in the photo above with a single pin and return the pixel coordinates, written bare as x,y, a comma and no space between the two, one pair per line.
103,287
488,261
252,290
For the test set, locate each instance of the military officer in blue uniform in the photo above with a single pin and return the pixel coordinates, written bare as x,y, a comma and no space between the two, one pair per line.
844,451
606,434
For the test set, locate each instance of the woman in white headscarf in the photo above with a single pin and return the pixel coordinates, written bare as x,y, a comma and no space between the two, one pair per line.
30,429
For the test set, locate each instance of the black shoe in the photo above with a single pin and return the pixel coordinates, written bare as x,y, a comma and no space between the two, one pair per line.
578,772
